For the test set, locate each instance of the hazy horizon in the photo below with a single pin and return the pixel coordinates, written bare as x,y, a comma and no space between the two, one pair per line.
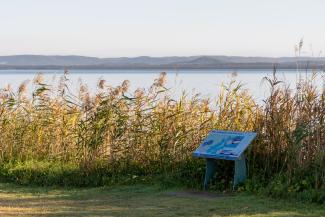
106,28
198,55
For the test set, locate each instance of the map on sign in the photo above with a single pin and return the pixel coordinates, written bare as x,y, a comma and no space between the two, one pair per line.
226,145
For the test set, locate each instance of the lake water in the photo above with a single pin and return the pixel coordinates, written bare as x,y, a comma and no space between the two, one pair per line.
206,82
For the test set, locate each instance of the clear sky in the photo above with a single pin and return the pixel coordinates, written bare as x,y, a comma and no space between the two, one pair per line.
112,28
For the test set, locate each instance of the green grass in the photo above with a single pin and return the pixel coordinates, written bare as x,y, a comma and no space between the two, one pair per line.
140,200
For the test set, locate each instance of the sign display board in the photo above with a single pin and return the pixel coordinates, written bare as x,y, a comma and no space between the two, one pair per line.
227,145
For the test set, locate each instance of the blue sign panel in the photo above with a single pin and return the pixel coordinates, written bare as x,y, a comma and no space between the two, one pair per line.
227,145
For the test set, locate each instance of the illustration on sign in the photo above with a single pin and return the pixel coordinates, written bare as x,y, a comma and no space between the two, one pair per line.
224,145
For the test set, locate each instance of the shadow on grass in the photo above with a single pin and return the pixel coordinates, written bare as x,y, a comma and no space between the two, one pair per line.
140,200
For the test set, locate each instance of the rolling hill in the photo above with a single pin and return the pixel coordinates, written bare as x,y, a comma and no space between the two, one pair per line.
146,62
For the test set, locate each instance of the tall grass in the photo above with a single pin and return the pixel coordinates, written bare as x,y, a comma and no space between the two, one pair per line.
147,132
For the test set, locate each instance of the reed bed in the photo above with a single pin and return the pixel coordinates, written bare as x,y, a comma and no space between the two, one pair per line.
147,132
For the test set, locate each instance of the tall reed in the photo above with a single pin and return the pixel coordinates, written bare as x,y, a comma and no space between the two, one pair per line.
153,132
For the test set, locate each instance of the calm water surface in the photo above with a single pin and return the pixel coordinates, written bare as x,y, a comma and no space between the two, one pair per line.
206,82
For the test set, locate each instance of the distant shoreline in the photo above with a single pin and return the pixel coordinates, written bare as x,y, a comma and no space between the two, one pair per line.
41,62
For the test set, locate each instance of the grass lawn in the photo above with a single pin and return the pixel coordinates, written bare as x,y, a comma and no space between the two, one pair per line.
139,200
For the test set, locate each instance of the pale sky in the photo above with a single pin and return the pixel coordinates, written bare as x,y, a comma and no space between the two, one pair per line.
112,28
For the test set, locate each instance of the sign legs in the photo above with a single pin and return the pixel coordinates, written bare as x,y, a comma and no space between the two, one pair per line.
239,176
240,170
210,171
